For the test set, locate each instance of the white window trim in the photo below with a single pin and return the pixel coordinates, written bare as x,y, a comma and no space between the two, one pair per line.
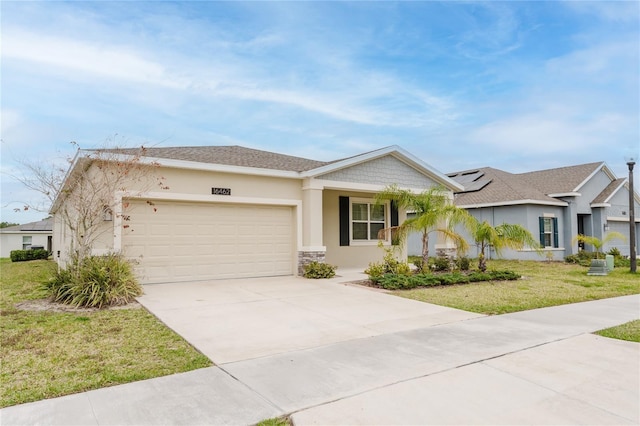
550,233
28,244
370,201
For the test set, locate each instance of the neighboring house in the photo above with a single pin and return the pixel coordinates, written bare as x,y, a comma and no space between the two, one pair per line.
555,205
25,236
237,212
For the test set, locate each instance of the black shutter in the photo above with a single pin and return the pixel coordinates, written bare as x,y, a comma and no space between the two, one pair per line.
555,232
343,204
394,222
541,221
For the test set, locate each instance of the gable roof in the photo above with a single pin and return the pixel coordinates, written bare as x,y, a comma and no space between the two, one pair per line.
230,156
562,180
492,187
45,225
394,151
498,187
609,191
237,159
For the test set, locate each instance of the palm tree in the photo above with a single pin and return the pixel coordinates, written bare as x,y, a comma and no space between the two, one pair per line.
432,209
596,242
499,237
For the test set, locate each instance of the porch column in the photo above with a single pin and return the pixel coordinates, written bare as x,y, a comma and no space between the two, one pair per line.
312,242
570,220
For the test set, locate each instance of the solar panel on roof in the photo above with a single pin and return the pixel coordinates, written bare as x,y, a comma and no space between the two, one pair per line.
476,185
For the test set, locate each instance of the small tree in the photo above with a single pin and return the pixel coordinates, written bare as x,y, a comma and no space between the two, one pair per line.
84,195
499,237
598,243
434,212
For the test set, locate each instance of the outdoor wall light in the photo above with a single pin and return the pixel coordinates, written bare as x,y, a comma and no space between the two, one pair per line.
107,215
606,227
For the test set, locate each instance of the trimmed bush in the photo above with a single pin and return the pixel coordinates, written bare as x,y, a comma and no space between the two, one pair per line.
389,265
317,270
397,282
25,255
463,263
441,263
404,282
583,258
504,276
96,282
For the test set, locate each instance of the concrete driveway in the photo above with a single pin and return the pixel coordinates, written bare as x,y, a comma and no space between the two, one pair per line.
235,320
332,354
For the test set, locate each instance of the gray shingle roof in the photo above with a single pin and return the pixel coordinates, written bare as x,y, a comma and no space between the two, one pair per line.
610,189
504,187
231,156
45,225
560,180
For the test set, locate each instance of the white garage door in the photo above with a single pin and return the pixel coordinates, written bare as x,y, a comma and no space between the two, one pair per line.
175,241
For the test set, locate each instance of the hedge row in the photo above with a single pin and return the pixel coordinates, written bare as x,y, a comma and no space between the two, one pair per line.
24,255
397,282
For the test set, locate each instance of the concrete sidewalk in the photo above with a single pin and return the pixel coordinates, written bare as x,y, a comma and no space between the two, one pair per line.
533,367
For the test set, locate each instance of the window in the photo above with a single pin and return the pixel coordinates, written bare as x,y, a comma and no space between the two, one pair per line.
548,232
360,220
26,242
367,220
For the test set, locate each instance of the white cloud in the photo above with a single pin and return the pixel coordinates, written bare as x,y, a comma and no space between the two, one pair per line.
615,11
101,60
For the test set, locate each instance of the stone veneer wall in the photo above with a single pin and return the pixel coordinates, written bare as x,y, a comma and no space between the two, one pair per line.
450,253
305,257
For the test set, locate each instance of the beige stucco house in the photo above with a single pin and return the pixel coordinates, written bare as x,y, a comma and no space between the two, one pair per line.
230,212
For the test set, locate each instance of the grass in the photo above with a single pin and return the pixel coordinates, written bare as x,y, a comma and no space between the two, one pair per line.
543,284
276,421
50,354
629,331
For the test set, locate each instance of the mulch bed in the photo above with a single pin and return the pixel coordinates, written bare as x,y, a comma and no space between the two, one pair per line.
45,305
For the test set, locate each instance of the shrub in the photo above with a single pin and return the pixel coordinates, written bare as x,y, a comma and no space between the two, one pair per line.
419,264
25,255
95,282
615,252
403,282
504,275
621,262
463,263
427,280
389,265
441,263
375,271
455,278
475,277
397,282
317,270
583,258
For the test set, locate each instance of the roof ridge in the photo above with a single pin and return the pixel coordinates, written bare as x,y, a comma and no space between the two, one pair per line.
553,169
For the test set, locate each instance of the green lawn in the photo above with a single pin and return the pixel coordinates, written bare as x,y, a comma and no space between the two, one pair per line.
543,284
49,354
629,331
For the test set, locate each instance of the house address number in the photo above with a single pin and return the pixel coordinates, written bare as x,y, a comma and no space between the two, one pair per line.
220,191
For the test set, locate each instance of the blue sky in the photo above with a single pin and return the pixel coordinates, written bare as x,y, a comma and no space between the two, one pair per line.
513,85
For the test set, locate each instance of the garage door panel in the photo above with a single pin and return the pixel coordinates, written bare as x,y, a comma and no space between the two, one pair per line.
195,241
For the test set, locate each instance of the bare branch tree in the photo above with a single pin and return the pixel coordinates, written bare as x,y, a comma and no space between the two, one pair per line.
83,196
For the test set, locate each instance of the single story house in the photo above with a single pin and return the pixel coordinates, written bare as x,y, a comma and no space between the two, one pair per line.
25,236
555,205
230,211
